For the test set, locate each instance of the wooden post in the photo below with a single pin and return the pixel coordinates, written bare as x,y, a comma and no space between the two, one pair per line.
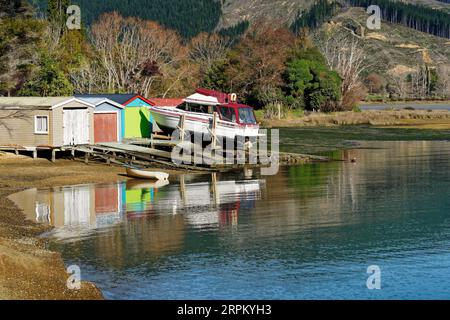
72,152
213,130
16,151
214,188
279,111
86,157
183,189
181,126
34,153
53,155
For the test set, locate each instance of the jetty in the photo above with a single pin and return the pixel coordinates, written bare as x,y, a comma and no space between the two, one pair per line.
157,152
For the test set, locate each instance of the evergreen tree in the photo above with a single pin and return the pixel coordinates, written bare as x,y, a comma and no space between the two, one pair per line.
313,18
310,83
56,13
188,17
418,17
49,81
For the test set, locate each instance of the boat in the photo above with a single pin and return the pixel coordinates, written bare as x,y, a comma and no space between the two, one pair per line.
208,112
144,174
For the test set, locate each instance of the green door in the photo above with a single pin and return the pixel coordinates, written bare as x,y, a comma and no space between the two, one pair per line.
137,122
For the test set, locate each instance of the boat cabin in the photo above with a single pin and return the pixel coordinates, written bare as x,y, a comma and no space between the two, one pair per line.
233,112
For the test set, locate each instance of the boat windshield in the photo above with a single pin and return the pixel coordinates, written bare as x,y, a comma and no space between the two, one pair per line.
227,114
246,116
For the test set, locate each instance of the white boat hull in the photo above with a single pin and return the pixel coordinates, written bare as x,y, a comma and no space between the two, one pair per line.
143,174
168,119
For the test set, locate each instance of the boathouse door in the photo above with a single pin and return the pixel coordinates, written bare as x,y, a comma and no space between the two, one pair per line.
105,127
76,126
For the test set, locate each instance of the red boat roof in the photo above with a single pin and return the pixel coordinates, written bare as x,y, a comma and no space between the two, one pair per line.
223,98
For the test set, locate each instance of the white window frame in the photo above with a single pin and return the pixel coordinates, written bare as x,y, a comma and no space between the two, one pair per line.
35,124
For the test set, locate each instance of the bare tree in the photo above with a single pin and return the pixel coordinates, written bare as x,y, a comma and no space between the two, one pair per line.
443,89
134,52
206,49
345,54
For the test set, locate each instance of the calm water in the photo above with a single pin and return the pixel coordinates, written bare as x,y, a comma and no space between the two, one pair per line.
309,232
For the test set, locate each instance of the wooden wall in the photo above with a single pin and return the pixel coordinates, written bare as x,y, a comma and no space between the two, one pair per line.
20,131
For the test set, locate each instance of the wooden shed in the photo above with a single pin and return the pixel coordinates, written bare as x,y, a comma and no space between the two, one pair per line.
45,121
136,119
108,119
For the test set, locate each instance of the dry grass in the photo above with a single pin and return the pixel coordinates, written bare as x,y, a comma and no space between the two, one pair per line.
376,118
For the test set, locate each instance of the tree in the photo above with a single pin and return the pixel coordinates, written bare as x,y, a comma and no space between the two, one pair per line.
206,49
136,54
254,67
49,81
56,15
309,81
374,83
345,54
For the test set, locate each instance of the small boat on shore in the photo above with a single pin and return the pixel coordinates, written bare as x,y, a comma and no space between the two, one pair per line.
144,174
207,111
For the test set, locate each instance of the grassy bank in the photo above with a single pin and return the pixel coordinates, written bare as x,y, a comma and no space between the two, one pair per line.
440,118
27,269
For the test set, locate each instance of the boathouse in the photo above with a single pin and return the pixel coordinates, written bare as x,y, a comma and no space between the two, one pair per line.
31,122
108,119
135,115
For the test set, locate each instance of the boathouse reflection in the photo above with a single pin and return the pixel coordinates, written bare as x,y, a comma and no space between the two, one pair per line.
146,218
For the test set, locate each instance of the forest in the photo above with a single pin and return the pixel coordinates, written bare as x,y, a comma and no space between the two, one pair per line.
315,16
418,17
188,17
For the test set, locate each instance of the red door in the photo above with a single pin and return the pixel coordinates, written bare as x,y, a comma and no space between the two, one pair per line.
106,200
105,127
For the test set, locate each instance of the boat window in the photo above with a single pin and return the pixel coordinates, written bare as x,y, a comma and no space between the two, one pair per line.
227,114
182,106
246,116
197,108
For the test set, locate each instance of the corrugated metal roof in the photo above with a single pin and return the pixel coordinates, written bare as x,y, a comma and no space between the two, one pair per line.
97,101
31,102
119,98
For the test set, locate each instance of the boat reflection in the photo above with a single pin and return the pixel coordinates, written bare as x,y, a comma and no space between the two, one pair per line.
77,211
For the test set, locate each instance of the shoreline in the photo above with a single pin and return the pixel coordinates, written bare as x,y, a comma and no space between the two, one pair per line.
28,270
400,118
404,102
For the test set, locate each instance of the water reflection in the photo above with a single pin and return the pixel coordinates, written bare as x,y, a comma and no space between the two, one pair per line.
311,231
77,211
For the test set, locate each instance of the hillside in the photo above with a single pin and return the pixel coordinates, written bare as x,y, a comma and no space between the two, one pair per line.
394,48
283,11
402,58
